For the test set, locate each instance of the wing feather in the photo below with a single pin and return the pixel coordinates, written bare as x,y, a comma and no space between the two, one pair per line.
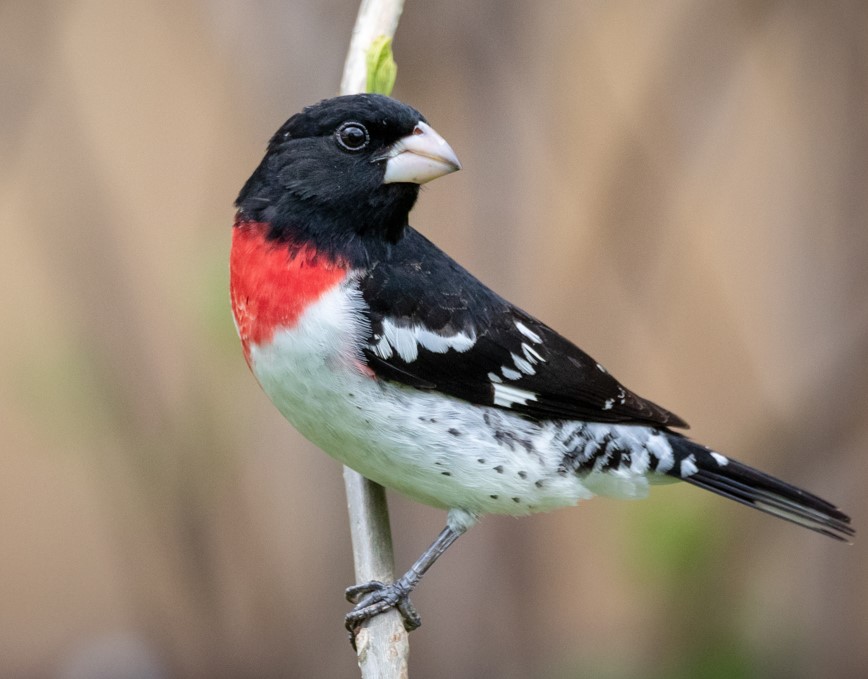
459,337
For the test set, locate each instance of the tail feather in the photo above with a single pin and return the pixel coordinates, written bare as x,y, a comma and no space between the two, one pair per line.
707,469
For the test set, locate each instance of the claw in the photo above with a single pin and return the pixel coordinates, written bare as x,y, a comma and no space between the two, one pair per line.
411,618
373,598
354,593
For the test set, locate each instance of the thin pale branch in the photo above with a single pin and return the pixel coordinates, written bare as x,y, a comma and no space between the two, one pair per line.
381,643
375,18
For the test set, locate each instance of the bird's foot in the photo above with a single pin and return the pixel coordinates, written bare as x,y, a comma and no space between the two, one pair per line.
373,598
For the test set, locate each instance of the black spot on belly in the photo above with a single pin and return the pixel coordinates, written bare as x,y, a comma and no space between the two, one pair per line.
494,497
571,440
499,469
454,432
522,475
446,473
511,439
539,483
607,454
516,500
480,460
614,459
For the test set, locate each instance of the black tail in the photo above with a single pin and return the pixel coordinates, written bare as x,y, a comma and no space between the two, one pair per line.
703,467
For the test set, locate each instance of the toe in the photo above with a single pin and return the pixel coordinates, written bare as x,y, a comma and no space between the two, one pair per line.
356,592
409,615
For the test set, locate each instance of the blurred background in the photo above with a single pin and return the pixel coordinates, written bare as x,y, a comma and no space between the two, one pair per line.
681,187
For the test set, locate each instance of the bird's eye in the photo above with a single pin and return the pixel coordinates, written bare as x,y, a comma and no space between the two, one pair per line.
352,136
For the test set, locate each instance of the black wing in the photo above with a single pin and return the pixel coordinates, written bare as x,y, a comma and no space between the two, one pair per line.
434,326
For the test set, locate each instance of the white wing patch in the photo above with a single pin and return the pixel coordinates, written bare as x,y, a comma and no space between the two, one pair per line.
506,396
531,354
527,332
509,373
405,341
382,348
523,365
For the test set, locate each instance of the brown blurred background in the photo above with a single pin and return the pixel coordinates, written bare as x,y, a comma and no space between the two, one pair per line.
681,187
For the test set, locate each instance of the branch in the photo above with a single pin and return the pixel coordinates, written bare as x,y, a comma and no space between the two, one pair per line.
376,18
381,643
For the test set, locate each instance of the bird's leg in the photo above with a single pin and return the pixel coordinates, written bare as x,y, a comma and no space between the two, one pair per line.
373,598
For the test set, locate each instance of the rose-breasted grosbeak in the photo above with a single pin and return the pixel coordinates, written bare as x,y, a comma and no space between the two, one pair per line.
387,354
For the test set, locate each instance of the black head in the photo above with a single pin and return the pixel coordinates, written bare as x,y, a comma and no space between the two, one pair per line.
346,170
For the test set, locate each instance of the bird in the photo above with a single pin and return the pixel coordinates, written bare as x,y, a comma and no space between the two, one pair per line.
391,357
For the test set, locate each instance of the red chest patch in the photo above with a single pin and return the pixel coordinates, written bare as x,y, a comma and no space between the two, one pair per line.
272,283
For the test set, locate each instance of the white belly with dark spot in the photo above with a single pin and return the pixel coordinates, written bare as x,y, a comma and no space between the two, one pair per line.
436,449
